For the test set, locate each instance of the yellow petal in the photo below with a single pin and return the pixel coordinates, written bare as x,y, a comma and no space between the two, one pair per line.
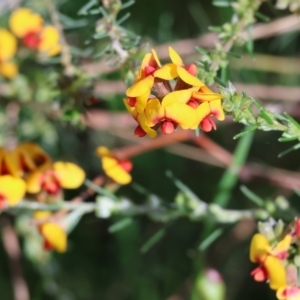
49,41
182,96
154,112
33,156
8,45
132,110
141,87
155,57
188,78
111,166
8,69
23,21
33,182
144,124
207,96
55,236
283,246
113,170
203,111
217,110
141,102
12,189
41,214
70,175
175,58
276,272
166,72
10,163
258,247
182,114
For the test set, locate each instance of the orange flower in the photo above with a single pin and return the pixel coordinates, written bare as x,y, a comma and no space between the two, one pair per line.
29,26
55,237
116,169
270,260
52,179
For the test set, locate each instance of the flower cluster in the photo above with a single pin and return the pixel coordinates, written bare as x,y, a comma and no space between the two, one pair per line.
29,170
277,259
170,96
29,28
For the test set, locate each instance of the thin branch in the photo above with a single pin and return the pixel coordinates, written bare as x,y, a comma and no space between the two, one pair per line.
13,251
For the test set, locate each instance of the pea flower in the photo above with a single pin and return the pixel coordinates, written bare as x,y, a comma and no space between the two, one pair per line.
177,69
169,115
116,169
29,26
55,237
52,179
270,260
139,92
12,190
8,47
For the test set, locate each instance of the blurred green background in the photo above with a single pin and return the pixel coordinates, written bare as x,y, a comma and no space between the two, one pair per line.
111,266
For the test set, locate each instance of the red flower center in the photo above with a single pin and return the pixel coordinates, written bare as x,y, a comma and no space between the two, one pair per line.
131,101
259,274
126,165
167,127
50,183
207,124
139,131
192,69
32,39
2,201
149,70
193,103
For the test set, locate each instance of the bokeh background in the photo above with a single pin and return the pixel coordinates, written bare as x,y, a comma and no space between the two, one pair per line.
113,266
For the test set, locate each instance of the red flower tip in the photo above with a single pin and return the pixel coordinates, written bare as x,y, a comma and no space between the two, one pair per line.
139,132
167,127
208,124
259,274
297,231
131,101
50,183
149,70
32,39
193,103
126,165
47,246
192,69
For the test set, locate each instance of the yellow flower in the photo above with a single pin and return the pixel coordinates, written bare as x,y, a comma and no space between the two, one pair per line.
141,89
8,47
29,26
270,260
116,169
178,69
169,114
12,190
51,179
22,21
54,235
49,43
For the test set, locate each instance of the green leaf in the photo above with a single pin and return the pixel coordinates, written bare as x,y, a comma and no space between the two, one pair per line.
262,16
250,129
99,190
84,10
127,4
296,147
210,239
153,240
287,139
292,120
120,225
220,3
251,196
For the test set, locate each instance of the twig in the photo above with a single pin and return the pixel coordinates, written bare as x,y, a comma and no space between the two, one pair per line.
66,57
12,248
